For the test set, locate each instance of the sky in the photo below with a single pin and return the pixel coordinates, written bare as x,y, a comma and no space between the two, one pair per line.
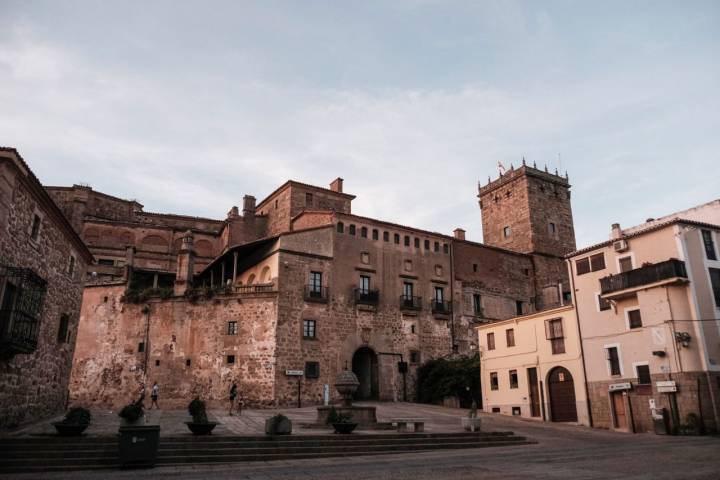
187,106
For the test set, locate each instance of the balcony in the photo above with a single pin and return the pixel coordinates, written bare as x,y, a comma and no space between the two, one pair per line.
315,293
627,283
440,307
255,289
23,296
409,302
366,297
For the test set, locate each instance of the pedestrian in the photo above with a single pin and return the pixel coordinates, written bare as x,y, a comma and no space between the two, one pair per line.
240,402
154,396
233,395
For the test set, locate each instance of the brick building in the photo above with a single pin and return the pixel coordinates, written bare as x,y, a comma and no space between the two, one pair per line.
42,268
299,282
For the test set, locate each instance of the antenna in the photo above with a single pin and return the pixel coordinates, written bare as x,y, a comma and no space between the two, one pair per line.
559,162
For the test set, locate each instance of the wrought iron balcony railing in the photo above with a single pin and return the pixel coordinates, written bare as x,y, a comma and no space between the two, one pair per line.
409,302
643,276
261,288
441,306
315,293
366,297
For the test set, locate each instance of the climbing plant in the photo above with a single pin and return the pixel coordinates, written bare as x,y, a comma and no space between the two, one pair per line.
445,377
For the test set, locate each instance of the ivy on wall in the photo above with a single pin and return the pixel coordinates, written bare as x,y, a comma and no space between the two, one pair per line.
450,377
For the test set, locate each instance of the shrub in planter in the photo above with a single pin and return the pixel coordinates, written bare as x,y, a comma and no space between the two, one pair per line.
278,425
200,424
75,422
133,412
138,444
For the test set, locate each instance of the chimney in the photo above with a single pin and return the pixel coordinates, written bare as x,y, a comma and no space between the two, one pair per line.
616,231
248,206
459,233
336,185
234,212
185,265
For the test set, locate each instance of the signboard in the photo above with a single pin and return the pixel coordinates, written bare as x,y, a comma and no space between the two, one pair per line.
619,386
294,373
666,386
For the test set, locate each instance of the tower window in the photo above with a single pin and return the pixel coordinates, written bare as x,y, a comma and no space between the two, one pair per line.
375,234
427,244
340,227
351,230
474,267
407,241
308,199
363,232
506,232
436,246
396,238
417,242
386,237
552,229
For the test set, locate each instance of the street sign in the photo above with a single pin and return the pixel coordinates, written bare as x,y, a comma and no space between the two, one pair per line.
619,386
666,386
294,373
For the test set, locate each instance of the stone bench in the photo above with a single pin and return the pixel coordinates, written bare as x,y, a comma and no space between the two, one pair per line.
470,424
418,424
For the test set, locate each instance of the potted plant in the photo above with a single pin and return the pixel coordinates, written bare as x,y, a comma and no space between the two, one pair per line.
75,422
138,441
278,425
200,424
341,422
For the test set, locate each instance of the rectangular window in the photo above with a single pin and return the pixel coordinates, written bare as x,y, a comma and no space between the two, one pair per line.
417,242
407,290
597,262
634,319
386,236
643,374
141,347
439,294
375,234
308,199
62,336
315,283
230,359
363,232
491,341
106,261
309,329
477,305
71,266
552,229
510,337
494,385
709,245
414,356
364,284
427,244
582,266
232,328
613,360
554,333
396,238
715,282
436,246
519,307
446,248
603,304
513,379
351,230
312,369
35,230
625,264
507,232
407,241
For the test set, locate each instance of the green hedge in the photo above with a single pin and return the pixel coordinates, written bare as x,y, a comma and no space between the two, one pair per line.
444,377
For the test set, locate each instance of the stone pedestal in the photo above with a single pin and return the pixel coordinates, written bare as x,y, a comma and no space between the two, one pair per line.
470,424
363,416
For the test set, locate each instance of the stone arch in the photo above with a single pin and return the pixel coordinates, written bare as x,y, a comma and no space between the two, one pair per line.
203,248
365,367
265,275
561,395
154,243
251,279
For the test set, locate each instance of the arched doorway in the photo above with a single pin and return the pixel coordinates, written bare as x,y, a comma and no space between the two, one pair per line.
561,393
365,367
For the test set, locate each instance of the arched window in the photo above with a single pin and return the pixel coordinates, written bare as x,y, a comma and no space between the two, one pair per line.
265,275
446,249
363,232
251,279
352,230
340,227
407,241
375,234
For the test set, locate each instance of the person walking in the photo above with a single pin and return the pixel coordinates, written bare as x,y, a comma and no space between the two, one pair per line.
240,402
154,396
233,396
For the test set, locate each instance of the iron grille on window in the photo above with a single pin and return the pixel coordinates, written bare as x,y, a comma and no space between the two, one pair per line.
23,292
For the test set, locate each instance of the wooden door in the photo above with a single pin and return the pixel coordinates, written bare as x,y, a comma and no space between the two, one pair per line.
561,393
534,392
618,401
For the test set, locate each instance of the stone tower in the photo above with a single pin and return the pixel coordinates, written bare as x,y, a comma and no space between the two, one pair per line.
528,210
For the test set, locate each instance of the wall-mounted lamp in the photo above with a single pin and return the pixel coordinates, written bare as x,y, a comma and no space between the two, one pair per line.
683,338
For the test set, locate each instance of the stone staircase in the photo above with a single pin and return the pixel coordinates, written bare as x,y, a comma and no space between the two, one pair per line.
46,454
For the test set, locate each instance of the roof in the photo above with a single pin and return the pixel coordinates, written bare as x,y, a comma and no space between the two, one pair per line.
44,197
304,185
241,248
642,231
542,313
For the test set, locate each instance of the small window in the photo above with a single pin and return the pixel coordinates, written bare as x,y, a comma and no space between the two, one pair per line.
414,356
715,282
554,333
634,319
230,360
603,304
386,236
106,261
552,230
363,232
62,336
625,264
308,199
375,234
232,328
526,271
494,384
315,285
71,267
35,230
141,347
340,227
446,248
187,360
613,360
709,245
597,262
364,286
491,341
427,244
351,230
475,267
513,379
312,369
276,204
417,242
408,288
436,246
309,330
507,232
439,295
396,238
105,299
519,307
510,337
582,266
157,363
477,306
407,241
412,328
643,374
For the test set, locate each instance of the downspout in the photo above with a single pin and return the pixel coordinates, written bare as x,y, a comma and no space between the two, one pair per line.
146,311
452,296
582,352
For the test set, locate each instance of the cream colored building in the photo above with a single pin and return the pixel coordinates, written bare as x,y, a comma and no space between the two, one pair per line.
648,305
532,366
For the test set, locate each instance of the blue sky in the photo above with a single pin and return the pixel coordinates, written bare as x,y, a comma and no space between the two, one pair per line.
187,106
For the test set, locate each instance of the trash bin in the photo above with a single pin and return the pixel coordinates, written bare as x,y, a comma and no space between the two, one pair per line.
661,421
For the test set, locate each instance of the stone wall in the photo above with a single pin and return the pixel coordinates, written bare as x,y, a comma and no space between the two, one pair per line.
34,385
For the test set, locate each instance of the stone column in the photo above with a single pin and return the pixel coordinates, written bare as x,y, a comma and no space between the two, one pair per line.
185,265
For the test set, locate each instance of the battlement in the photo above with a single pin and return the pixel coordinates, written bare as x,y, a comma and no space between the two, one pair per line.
524,170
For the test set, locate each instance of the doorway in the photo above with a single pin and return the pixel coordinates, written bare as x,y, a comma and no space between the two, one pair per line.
561,390
365,367
534,392
620,416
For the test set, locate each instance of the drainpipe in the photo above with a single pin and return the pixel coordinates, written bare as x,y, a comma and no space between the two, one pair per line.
452,296
582,352
146,311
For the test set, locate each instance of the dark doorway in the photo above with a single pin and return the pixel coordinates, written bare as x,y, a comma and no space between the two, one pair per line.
561,392
365,367
534,392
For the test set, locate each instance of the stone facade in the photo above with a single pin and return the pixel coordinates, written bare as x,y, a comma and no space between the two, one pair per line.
35,368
